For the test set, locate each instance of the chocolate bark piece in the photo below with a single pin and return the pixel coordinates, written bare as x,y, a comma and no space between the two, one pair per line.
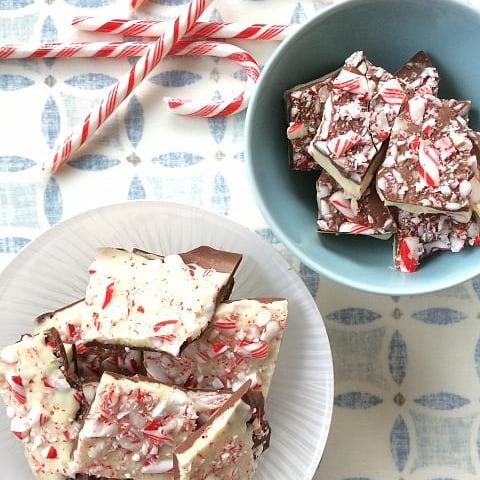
351,140
132,427
135,423
92,359
225,447
154,303
475,195
242,342
418,75
420,235
337,213
44,397
304,106
430,159
66,320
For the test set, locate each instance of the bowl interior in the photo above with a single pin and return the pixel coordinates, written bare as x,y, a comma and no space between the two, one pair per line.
389,32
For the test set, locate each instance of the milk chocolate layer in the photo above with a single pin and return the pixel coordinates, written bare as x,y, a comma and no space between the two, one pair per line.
304,105
338,213
358,115
419,236
418,74
430,159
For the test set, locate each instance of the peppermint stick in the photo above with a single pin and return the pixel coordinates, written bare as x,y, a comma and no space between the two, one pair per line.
155,28
222,107
73,50
119,92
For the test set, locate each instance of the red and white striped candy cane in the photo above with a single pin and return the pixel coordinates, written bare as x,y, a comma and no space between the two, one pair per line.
343,205
73,50
122,89
429,159
218,108
155,28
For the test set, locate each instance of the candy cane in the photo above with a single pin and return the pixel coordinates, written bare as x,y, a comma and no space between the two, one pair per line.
122,89
73,50
218,108
156,28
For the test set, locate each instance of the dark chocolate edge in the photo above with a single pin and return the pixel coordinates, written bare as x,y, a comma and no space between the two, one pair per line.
288,105
47,315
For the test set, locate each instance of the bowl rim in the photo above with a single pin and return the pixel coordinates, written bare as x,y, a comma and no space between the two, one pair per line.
402,288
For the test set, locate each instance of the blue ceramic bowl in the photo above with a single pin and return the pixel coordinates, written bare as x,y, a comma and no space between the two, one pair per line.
389,32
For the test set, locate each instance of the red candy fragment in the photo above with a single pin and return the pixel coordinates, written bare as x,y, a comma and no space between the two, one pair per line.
407,257
108,294
51,452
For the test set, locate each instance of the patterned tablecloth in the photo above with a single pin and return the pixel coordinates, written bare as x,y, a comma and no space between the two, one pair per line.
407,391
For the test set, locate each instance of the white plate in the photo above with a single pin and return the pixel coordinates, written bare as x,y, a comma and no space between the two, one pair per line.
52,271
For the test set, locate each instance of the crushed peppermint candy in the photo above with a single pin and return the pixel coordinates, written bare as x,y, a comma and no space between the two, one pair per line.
387,142
420,235
338,213
241,342
357,118
430,160
304,106
41,391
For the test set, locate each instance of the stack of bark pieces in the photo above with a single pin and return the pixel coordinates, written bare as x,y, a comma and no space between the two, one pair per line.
155,374
394,158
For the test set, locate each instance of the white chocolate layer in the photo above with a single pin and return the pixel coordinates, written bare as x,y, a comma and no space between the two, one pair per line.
132,428
223,451
43,406
156,304
242,342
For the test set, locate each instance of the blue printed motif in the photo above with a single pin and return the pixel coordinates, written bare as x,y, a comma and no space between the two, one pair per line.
221,195
217,127
18,205
134,121
10,83
310,278
477,358
357,400
91,81
136,190
397,357
476,286
49,31
15,163
53,202
50,122
89,3
439,316
177,159
12,244
299,15
93,163
400,443
14,4
441,440
442,401
175,78
353,316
